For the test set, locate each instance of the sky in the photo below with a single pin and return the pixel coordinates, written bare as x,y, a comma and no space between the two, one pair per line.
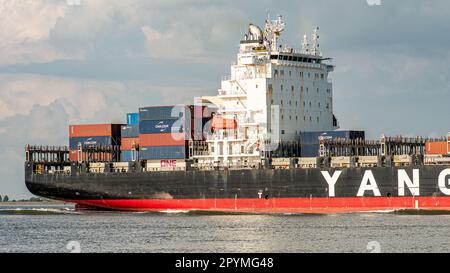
92,61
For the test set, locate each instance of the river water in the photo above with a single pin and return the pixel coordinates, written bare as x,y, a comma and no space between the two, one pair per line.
62,229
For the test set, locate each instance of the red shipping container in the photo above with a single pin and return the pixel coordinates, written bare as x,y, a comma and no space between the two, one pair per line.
95,130
158,140
96,157
437,148
129,143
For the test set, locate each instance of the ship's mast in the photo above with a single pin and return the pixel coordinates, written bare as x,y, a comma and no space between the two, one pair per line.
273,31
314,48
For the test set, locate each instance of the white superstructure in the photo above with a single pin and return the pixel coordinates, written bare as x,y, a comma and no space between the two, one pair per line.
274,92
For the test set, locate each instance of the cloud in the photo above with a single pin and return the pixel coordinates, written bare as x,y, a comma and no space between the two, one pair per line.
197,34
43,125
24,30
20,93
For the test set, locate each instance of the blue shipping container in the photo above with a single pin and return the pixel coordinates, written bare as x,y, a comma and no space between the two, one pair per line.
164,112
130,131
310,150
164,152
128,156
162,126
133,119
91,142
308,138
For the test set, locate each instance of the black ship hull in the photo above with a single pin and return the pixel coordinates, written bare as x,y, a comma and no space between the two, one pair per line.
261,190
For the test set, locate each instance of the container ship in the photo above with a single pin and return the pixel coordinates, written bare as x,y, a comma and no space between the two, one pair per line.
268,142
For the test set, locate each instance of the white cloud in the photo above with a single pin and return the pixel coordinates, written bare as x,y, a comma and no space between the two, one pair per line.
83,100
24,30
44,125
171,44
195,33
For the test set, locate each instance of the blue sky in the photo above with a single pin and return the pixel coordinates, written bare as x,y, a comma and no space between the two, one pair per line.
63,63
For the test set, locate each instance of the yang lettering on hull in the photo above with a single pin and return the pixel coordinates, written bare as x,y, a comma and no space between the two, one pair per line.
369,185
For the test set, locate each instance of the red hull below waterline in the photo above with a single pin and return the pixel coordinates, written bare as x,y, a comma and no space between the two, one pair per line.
281,205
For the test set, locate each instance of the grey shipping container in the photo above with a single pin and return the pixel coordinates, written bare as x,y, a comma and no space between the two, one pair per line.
130,131
128,156
165,112
163,152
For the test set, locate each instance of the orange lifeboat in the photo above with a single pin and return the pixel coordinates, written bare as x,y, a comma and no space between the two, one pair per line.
220,123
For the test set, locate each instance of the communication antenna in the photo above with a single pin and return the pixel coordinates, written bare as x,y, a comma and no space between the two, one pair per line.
315,43
273,30
305,45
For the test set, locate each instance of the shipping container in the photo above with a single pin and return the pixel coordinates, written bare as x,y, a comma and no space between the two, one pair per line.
129,144
165,112
171,139
95,130
309,138
130,131
133,119
164,126
74,156
224,123
437,148
166,165
89,142
163,152
128,156
311,150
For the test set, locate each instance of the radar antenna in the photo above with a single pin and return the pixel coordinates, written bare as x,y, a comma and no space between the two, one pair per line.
314,49
273,31
305,45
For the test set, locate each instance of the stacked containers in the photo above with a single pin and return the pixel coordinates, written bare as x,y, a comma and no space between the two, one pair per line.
309,141
90,136
129,148
164,132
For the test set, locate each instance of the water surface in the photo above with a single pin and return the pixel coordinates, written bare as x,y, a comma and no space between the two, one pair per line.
60,228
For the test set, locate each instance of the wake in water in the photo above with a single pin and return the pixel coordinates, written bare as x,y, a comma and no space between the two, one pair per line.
37,211
420,212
